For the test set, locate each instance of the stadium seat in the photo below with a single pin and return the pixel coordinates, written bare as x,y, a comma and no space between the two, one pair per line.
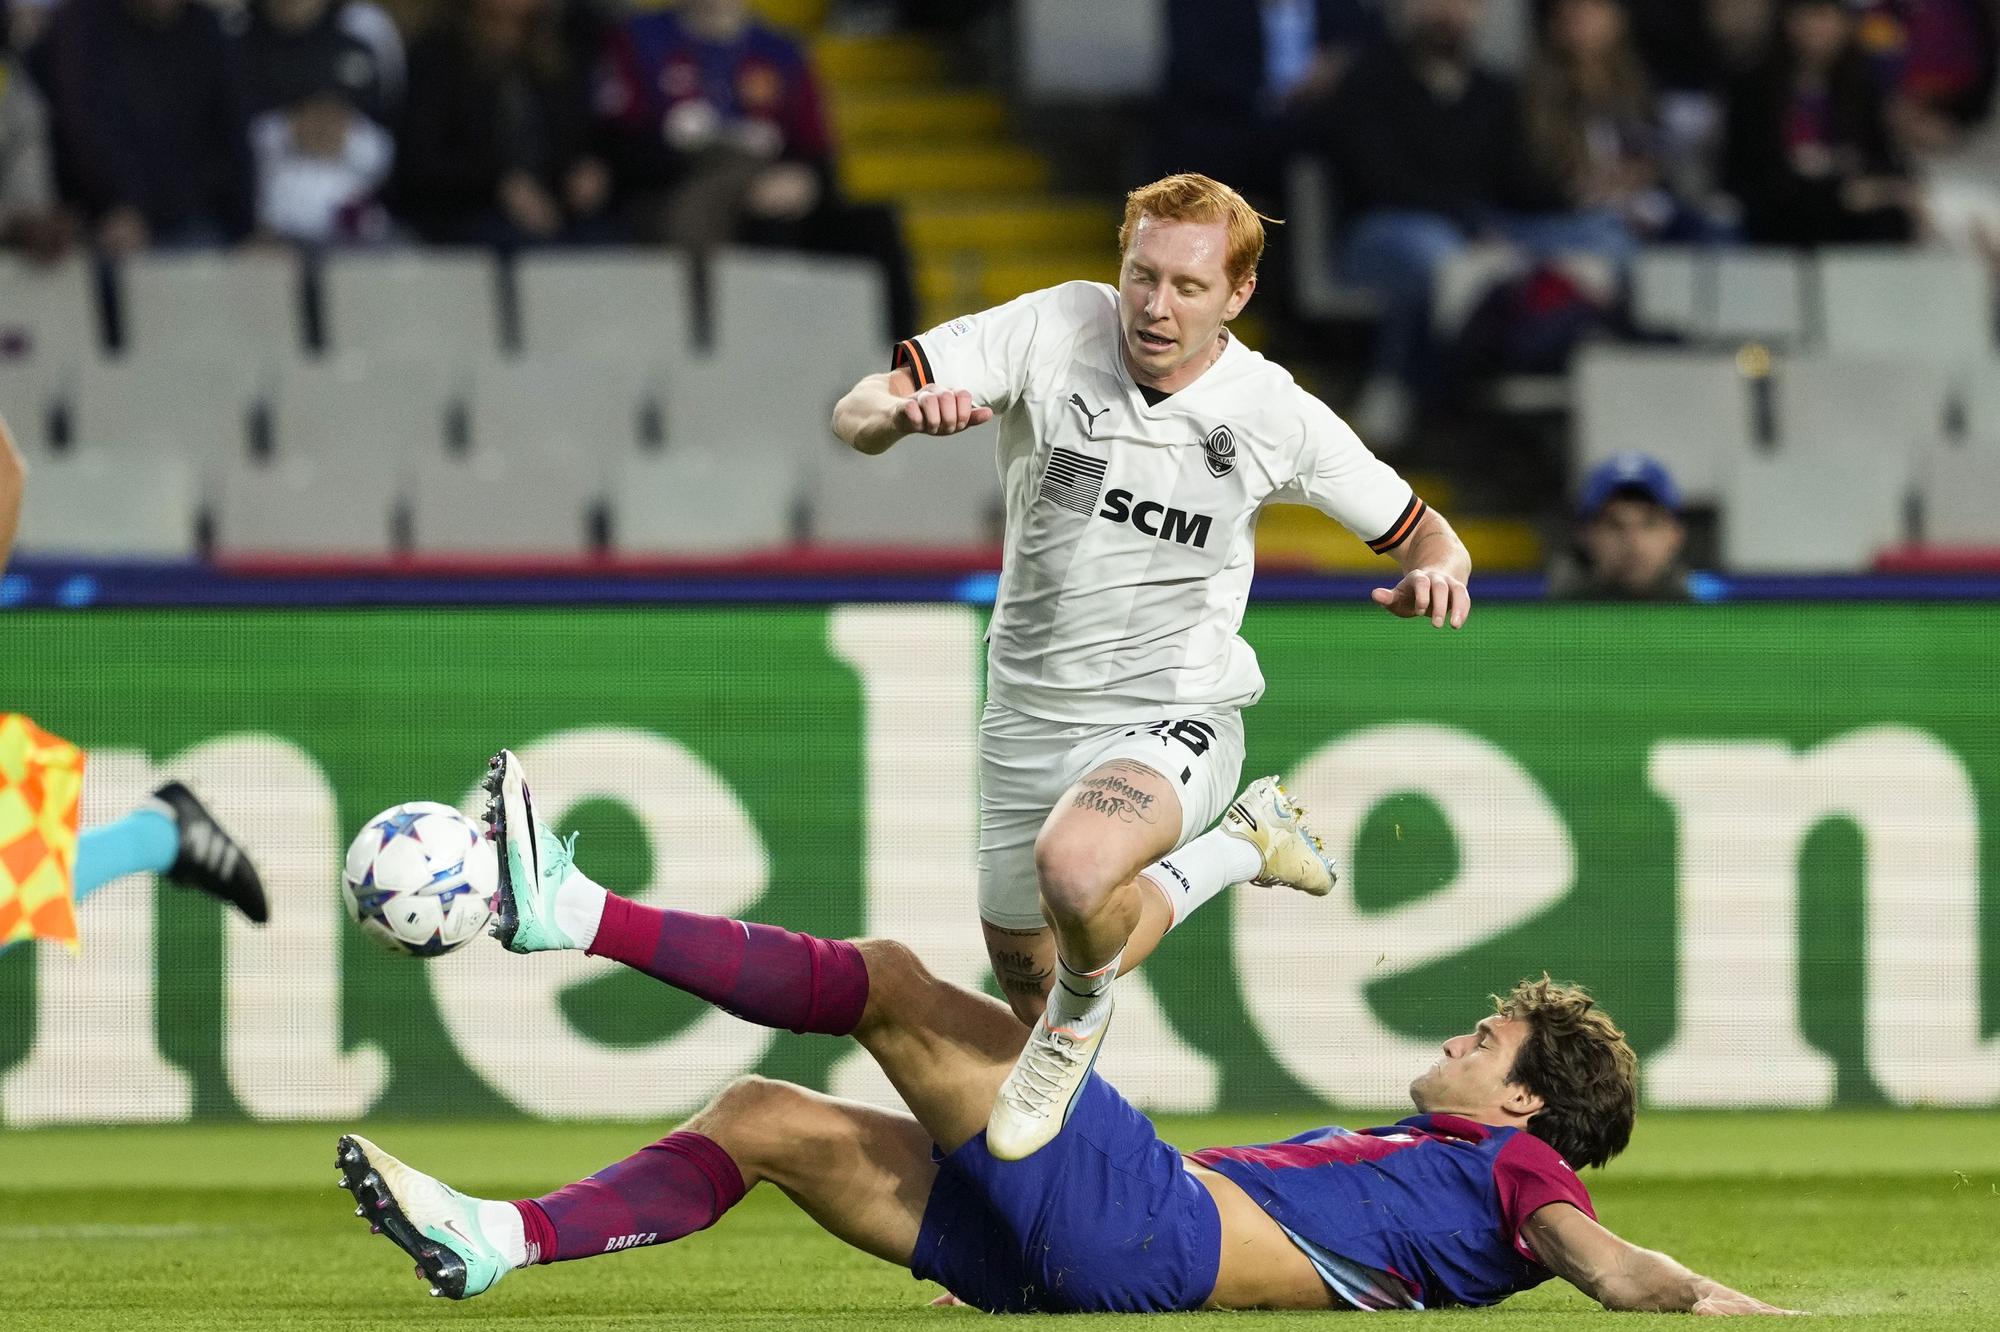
242,307
582,409
48,313
696,501
923,492
1689,409
799,312
1979,397
1667,289
1836,406
306,506
436,305
388,413
31,393
1960,494
95,504
489,504
199,409
1798,510
741,407
1896,304
630,306
1759,295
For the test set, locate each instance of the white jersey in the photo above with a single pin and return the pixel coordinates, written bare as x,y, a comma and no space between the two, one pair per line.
1130,527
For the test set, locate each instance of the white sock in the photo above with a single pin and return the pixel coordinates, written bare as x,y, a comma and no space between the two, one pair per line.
500,1222
1203,868
580,908
1081,1000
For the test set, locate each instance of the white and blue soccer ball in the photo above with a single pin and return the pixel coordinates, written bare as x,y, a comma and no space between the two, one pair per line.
420,879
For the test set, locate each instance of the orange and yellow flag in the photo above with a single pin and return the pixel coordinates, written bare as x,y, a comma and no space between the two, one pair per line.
41,779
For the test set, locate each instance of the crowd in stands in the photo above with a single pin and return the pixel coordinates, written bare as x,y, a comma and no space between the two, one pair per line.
128,125
1777,122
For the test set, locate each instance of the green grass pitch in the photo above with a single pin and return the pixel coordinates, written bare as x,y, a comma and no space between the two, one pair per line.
1871,1220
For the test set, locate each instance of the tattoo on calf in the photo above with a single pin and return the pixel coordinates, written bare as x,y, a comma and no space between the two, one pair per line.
1114,796
1019,973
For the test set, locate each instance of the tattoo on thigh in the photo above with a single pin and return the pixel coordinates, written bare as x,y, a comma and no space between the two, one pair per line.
1111,794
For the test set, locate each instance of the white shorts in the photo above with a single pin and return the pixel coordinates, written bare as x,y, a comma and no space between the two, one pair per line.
1026,763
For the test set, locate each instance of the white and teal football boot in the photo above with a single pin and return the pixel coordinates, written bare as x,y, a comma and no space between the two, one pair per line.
432,1222
534,863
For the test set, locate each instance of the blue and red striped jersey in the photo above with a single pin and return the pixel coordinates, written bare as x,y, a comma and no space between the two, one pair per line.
1435,1201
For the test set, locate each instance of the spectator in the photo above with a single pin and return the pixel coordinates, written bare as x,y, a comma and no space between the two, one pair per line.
1809,152
1428,155
30,221
146,98
1629,536
1939,60
324,78
1290,52
721,136
496,147
1589,114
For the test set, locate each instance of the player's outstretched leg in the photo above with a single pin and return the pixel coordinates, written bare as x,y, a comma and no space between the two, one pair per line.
210,860
864,1174
173,835
945,1048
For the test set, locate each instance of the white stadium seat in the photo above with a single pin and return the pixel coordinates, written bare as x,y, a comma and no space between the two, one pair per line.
1798,511
1979,396
1689,409
388,413
1961,496
1837,406
489,504
739,406
435,305
1668,283
100,505
238,307
30,393
48,312
576,408
306,506
925,491
798,313
200,409
1888,303
619,305
1760,295
701,502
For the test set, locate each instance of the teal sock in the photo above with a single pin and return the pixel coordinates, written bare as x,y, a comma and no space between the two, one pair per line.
146,841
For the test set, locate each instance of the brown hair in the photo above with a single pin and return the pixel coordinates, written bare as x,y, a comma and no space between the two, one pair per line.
1190,197
1575,1058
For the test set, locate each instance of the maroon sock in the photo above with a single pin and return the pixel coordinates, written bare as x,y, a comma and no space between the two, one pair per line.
760,973
680,1184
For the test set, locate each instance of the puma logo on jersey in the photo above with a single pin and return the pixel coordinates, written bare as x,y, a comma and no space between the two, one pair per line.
1089,417
1158,520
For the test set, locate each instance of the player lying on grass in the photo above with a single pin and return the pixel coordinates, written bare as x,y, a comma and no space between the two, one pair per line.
1465,1202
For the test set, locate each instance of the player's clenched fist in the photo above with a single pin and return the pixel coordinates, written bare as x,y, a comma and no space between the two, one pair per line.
942,411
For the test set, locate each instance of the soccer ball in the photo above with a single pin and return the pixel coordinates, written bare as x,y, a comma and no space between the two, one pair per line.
421,879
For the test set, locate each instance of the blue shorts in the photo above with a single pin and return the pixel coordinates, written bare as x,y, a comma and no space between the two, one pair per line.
1105,1219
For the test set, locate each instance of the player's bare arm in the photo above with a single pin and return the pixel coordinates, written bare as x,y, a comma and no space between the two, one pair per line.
1436,567
1620,1275
883,408
13,483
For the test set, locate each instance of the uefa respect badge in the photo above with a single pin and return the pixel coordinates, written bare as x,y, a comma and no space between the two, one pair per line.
41,782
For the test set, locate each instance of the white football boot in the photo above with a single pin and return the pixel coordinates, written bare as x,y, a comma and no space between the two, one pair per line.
1265,817
427,1219
1036,1099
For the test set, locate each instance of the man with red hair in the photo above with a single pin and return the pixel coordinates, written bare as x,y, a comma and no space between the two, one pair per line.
1138,440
